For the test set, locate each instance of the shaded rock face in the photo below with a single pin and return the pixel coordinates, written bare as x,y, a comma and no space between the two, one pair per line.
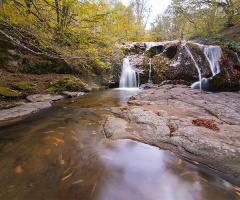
194,124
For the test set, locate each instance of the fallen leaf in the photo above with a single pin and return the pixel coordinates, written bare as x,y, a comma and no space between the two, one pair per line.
55,143
49,132
236,188
61,162
203,179
18,169
81,145
196,162
74,138
66,177
189,172
238,193
79,181
66,170
179,161
94,187
62,141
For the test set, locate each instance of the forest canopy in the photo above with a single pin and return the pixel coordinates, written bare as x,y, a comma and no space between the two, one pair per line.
185,19
73,28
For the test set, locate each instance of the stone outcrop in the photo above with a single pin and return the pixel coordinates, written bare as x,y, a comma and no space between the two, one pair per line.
171,60
36,102
200,126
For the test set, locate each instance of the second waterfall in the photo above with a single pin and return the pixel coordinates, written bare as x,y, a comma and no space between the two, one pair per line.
128,77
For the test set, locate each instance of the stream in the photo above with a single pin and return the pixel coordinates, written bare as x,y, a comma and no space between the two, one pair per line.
61,153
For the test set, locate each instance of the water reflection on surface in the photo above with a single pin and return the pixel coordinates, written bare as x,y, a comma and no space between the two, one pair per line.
61,153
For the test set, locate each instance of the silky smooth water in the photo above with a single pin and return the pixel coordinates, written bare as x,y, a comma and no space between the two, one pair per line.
128,76
61,153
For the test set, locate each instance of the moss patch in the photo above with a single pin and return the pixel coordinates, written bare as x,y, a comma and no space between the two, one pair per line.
24,86
70,83
6,92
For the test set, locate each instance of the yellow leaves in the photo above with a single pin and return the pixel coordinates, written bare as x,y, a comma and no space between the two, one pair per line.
237,190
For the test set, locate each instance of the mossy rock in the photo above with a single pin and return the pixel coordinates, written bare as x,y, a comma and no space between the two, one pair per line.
24,86
8,93
67,84
221,83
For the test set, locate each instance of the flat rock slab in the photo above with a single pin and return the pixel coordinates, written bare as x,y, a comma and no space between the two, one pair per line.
37,102
194,124
44,97
72,94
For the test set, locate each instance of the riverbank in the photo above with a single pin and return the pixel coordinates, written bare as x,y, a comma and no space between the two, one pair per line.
32,104
194,124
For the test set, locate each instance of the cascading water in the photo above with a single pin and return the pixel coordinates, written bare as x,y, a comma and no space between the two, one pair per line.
213,54
128,77
196,65
150,71
238,58
138,79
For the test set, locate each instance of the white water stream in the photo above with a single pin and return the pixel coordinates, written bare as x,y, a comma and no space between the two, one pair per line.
199,71
213,55
128,77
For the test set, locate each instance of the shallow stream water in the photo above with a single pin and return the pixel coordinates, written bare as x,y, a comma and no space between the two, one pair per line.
61,153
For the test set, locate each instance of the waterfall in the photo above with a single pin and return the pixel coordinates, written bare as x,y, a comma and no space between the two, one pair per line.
128,76
213,54
238,58
150,71
196,65
138,79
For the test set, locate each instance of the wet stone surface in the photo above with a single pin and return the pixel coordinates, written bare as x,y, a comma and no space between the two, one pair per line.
61,153
194,124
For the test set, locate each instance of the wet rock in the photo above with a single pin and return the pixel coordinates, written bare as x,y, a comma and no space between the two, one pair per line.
72,94
166,117
44,97
22,110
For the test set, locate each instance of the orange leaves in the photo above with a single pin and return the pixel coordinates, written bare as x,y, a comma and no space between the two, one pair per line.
196,162
189,172
18,169
206,123
94,187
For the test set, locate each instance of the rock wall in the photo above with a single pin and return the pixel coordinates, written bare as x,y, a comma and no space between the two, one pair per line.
171,61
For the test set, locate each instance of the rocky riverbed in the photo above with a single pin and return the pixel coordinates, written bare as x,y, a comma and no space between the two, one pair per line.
33,104
194,124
